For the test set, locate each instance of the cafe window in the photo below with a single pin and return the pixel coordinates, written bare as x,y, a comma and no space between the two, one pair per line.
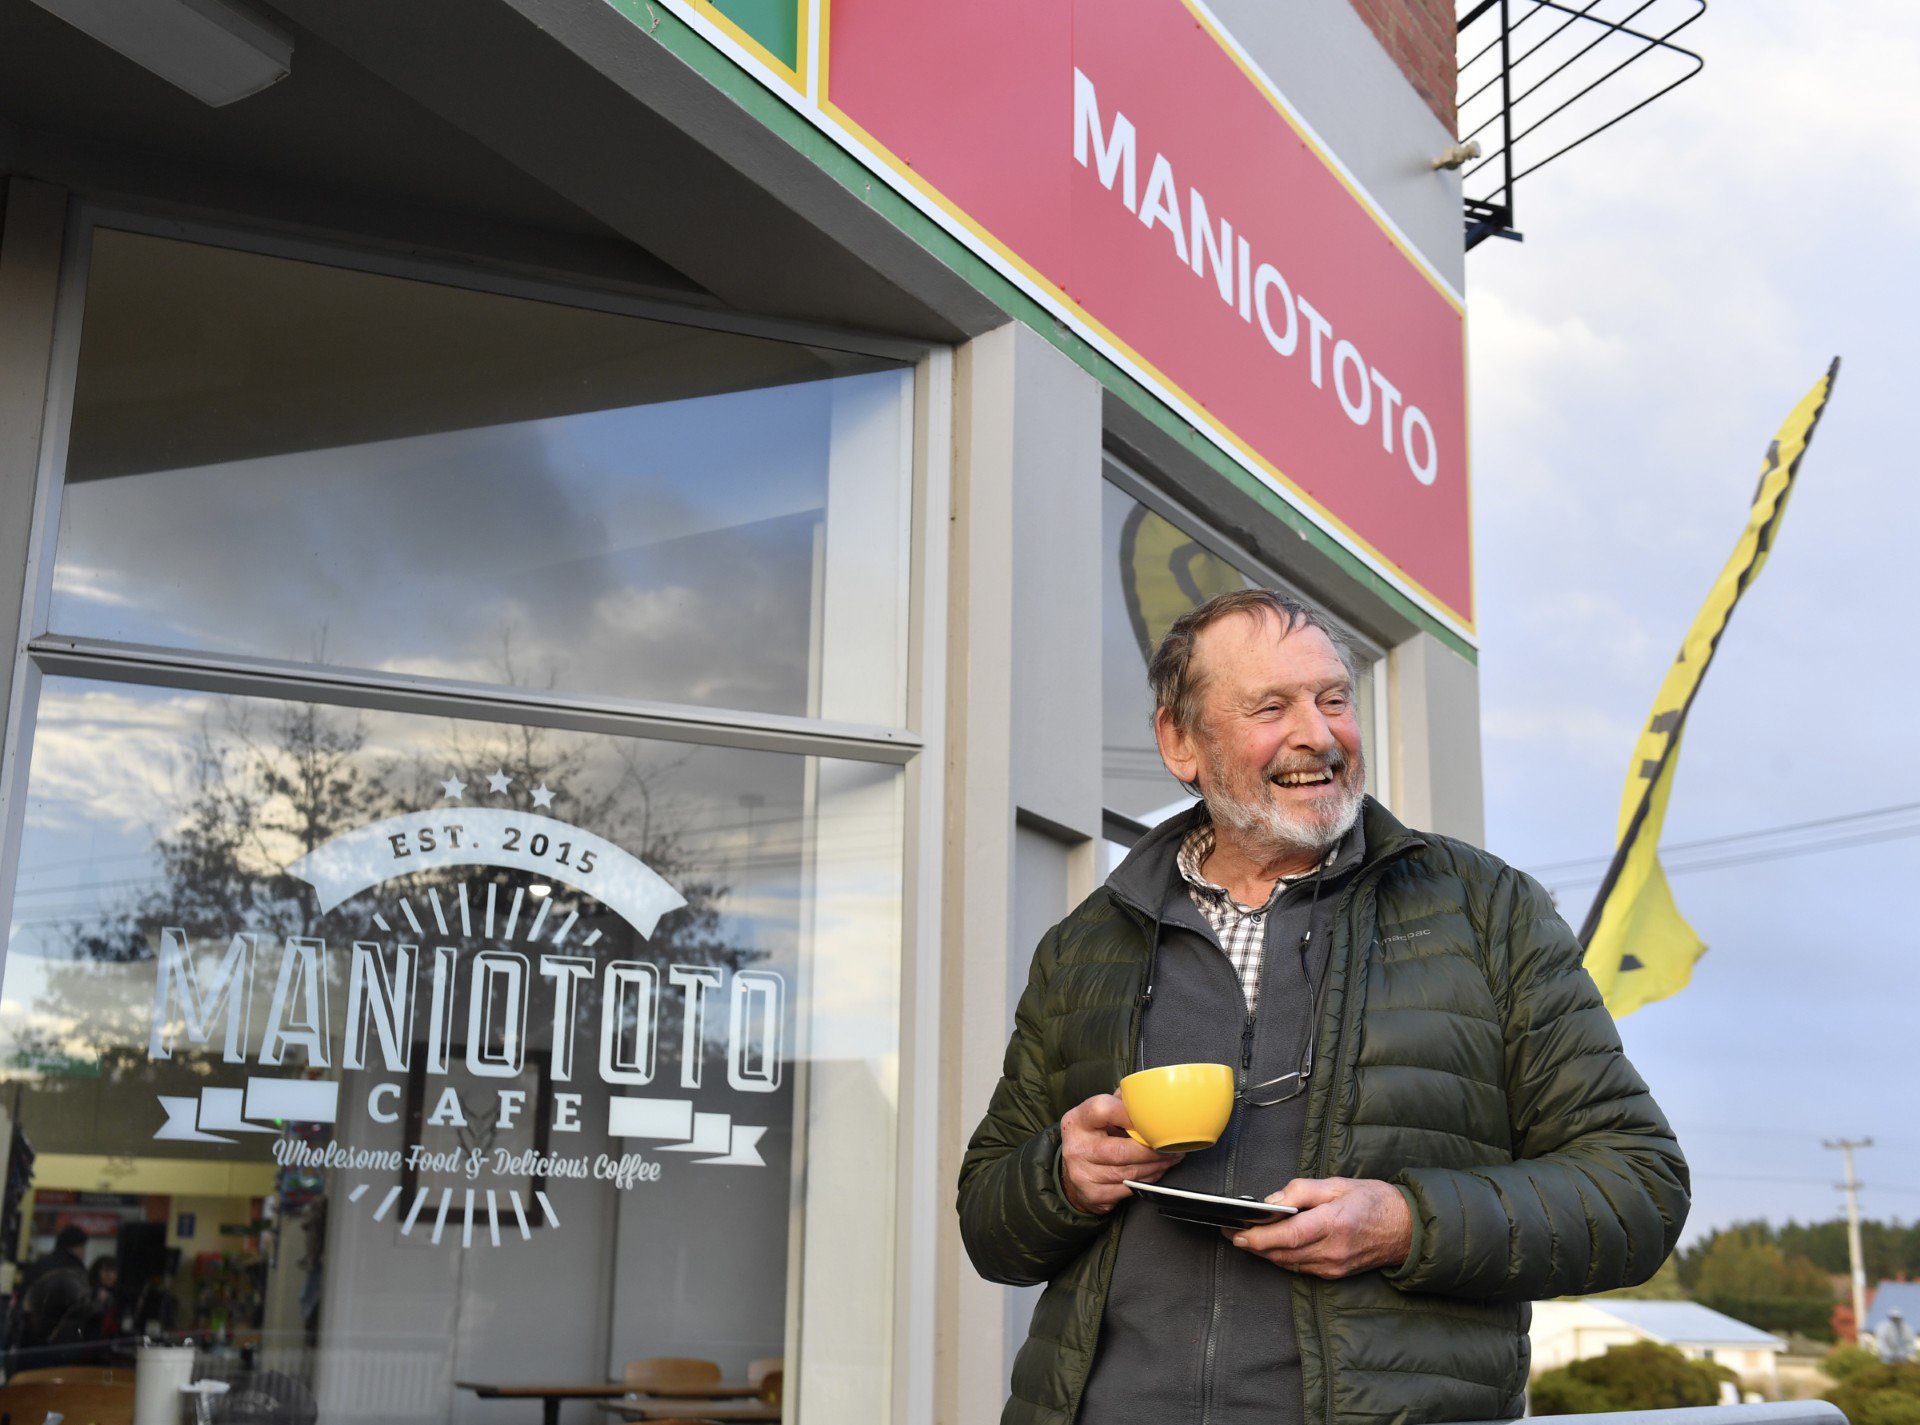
1154,569
394,1055
307,462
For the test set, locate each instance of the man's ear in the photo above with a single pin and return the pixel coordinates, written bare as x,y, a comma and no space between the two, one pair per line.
1179,749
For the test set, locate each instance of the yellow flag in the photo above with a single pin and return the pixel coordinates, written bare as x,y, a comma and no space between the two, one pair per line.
1164,573
1638,947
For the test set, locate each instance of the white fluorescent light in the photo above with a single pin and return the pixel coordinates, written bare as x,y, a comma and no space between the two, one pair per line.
214,50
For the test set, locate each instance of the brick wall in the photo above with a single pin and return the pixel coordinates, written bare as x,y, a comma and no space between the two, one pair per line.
1419,35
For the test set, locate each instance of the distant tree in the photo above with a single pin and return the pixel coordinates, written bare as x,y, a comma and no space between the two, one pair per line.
1888,1249
261,785
1643,1376
1744,1262
1744,1272
1879,1394
1663,1285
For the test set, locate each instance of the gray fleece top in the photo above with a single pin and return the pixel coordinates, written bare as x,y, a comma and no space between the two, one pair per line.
1195,1329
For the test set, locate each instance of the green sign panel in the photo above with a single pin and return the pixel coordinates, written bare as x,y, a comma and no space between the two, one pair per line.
773,24
56,1064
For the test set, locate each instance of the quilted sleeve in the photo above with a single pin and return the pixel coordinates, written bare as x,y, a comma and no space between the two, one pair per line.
1598,1190
1015,1219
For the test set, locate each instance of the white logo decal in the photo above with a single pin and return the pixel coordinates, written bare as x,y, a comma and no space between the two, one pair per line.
403,1019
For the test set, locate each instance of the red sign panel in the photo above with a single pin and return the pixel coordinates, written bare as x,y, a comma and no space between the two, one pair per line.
1123,158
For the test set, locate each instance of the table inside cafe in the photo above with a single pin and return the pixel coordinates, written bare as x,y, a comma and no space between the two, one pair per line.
658,1389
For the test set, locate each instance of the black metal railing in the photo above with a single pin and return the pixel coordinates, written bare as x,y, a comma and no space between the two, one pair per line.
1776,1412
1539,78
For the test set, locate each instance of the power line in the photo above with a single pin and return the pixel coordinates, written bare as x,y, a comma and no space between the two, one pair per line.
1779,853
1710,842
1783,852
1759,1178
1733,1131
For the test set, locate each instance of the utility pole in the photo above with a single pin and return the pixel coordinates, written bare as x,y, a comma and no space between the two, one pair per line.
1851,1187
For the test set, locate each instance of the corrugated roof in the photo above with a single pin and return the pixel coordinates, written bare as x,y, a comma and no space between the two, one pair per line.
1688,1322
1888,1297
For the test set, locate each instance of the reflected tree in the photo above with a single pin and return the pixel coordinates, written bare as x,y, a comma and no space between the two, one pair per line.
261,785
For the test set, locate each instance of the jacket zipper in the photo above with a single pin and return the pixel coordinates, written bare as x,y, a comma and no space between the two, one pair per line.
1110,1244
1220,1247
1316,1287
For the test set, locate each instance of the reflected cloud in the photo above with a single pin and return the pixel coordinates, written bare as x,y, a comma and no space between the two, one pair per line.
668,552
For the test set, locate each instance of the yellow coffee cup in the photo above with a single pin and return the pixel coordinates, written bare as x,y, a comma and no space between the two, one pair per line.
1177,1108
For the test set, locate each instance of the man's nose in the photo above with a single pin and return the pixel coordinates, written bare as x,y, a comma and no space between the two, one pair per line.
1309,731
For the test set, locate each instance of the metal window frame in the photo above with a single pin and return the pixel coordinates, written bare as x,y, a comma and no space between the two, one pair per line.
75,656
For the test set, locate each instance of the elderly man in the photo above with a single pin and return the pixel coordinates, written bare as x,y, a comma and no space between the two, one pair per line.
1423,1069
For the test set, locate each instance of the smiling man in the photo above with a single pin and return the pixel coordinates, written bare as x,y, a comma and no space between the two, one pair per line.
1422,1066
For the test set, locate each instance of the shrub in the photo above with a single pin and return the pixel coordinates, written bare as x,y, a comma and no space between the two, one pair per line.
1557,1393
1643,1376
1843,1363
1878,1394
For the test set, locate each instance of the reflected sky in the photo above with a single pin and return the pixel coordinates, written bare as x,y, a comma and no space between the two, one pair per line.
665,552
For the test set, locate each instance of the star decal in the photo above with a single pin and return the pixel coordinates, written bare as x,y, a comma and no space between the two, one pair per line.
541,796
454,788
499,781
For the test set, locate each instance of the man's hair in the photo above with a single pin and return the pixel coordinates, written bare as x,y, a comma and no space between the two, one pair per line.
1177,687
71,1236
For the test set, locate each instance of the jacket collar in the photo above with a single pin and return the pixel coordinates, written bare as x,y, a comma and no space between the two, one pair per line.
1386,836
1140,881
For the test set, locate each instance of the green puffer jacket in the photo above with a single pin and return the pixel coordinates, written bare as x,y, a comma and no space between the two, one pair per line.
1464,1055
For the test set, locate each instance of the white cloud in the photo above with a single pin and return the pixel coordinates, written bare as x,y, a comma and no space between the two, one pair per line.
1728,240
1537,353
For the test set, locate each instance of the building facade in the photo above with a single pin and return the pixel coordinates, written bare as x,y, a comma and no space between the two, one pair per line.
582,573
1567,1331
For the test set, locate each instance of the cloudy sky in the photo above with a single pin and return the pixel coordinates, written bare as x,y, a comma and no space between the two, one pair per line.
1685,279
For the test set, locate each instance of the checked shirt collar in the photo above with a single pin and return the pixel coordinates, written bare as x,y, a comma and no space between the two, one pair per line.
1241,930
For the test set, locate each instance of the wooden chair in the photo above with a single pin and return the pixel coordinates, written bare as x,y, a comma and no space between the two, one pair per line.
667,1373
29,1402
72,1375
768,1377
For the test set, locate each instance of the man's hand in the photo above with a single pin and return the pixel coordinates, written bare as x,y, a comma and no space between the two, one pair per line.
1344,1226
1097,1156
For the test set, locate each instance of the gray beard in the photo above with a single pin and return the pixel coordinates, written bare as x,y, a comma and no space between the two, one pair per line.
1262,828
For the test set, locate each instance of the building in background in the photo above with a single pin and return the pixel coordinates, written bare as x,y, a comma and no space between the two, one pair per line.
1893,1316
583,571
1568,1331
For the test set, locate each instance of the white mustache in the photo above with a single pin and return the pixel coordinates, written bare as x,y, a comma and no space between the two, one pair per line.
1334,762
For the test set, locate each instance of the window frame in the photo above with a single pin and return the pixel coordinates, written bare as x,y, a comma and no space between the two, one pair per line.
1368,652
922,590
243,673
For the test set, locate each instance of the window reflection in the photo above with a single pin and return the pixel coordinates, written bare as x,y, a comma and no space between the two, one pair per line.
384,1052
304,462
1154,571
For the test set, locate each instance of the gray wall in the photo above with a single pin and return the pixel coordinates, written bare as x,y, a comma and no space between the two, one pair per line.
1322,56
1023,759
1436,738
